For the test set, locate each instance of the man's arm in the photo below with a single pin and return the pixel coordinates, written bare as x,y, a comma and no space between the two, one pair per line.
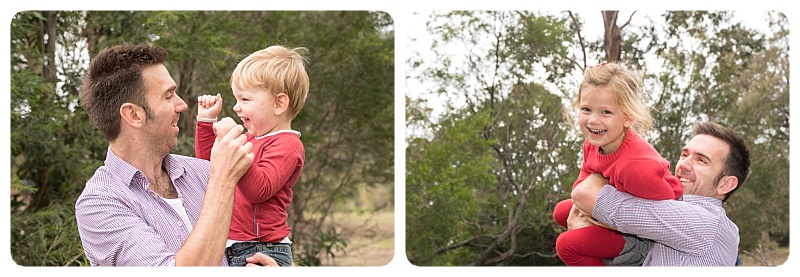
584,196
677,224
230,158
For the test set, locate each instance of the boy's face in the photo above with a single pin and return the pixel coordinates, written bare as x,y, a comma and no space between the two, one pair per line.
256,108
601,120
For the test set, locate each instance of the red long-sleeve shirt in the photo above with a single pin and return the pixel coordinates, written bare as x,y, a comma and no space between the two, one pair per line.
635,167
265,191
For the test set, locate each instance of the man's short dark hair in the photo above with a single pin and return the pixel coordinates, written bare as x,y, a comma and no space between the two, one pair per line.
114,78
738,161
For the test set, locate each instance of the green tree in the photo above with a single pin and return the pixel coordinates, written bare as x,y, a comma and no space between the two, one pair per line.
723,71
481,190
47,135
762,113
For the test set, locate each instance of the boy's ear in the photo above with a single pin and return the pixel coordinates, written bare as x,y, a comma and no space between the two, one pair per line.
281,103
132,114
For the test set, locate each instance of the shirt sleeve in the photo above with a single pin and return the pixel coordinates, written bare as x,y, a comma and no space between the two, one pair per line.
204,138
676,224
114,235
267,175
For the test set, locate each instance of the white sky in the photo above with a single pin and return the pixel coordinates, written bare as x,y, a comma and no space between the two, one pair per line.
420,40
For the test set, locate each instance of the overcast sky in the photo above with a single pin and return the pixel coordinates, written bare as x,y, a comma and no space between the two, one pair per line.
418,39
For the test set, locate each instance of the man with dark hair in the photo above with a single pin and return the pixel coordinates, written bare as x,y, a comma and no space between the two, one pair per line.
693,232
145,206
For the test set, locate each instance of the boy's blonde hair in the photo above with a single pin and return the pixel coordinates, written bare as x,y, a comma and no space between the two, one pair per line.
626,87
278,70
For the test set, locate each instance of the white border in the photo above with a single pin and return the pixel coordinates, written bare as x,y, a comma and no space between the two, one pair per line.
399,10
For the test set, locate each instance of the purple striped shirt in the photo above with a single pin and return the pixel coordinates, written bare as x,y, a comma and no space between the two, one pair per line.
123,223
693,232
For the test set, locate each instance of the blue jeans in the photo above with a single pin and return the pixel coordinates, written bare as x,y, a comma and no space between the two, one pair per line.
240,251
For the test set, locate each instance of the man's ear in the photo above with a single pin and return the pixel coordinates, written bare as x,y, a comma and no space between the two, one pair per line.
281,103
727,184
132,115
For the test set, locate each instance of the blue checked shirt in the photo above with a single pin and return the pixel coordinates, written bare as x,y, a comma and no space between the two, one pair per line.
123,223
693,232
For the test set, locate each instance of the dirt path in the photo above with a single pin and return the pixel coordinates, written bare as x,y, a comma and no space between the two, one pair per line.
371,239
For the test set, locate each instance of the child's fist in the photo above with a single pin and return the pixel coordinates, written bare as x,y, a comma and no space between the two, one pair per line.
209,106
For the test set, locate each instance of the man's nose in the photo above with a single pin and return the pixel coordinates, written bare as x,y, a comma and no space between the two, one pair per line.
181,105
683,165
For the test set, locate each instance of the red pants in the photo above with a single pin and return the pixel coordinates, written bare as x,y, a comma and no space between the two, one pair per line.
585,246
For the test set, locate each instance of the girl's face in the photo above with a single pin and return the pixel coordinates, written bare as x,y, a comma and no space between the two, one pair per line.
601,120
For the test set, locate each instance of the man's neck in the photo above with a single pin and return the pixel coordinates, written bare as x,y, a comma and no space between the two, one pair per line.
140,157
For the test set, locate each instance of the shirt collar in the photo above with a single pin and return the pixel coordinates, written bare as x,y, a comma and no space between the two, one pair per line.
702,199
127,172
278,132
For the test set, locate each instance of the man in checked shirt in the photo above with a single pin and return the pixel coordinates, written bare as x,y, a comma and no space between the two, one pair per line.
145,206
691,231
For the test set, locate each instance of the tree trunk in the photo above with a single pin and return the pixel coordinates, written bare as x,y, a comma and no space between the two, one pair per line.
50,47
613,37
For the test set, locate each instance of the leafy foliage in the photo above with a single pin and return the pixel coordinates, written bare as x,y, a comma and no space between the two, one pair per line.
480,189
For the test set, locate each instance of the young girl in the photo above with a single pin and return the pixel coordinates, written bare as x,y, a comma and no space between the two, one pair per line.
610,104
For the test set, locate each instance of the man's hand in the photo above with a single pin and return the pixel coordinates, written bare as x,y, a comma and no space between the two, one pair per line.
261,259
578,219
209,106
584,196
230,159
230,155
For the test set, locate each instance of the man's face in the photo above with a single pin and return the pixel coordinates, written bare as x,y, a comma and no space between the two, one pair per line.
701,164
161,126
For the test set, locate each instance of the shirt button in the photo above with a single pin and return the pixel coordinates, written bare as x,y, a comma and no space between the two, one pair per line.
180,223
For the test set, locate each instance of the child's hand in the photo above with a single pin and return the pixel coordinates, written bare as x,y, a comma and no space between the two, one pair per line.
209,106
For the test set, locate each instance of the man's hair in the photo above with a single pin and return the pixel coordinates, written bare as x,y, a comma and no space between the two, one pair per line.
276,69
738,161
114,78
